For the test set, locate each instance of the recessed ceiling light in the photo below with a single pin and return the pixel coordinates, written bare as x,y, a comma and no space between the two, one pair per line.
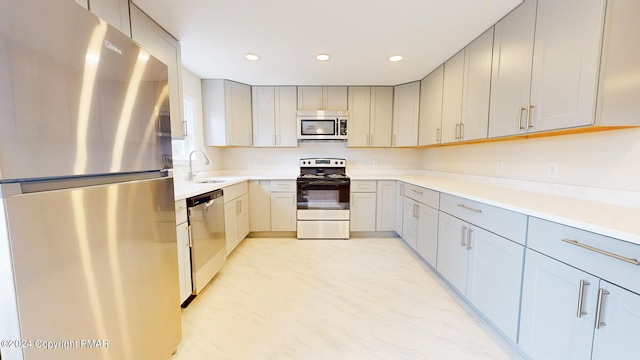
395,58
322,57
252,57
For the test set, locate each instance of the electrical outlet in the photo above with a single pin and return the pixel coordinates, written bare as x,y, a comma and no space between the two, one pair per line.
553,168
375,162
499,167
256,162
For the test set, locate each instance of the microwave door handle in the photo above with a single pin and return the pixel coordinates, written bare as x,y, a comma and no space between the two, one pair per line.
337,127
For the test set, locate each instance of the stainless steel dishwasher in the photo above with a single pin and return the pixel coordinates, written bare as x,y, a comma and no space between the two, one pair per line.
206,229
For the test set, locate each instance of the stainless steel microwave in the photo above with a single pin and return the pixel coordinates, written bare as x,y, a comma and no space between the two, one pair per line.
322,125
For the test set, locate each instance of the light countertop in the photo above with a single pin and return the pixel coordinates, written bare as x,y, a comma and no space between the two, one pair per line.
617,221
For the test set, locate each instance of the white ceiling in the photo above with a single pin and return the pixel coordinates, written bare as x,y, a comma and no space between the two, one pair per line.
360,35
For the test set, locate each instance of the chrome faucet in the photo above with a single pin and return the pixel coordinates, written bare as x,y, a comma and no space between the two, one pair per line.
206,161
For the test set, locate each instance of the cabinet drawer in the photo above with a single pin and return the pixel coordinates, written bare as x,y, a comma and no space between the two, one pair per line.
283,186
564,243
506,223
420,194
181,211
363,186
233,191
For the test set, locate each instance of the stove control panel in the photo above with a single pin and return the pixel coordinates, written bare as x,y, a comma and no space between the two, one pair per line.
322,162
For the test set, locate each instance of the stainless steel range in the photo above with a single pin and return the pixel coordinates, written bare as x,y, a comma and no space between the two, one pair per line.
323,199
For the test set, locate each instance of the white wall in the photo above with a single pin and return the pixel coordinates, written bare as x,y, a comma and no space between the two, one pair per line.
358,159
192,87
609,159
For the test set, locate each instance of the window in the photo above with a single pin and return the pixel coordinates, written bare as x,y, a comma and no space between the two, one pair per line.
182,147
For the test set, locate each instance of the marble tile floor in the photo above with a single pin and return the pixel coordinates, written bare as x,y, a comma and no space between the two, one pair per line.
365,298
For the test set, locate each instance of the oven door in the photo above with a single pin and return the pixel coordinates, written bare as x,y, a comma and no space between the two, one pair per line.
323,194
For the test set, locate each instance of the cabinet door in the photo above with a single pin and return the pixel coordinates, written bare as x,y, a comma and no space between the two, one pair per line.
494,279
453,256
260,205
406,105
431,107
310,98
617,336
399,208
335,98
231,226
511,71
114,12
359,115
283,211
549,325
238,103
165,48
184,261
477,83
263,102
386,206
566,59
409,222
243,217
363,212
286,104
427,242
381,118
452,97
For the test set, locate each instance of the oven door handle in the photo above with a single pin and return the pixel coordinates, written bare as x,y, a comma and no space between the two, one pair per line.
312,184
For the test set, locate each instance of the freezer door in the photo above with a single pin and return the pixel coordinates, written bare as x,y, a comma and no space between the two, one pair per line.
77,96
97,263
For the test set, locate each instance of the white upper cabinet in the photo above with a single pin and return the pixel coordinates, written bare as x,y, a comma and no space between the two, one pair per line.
114,12
370,116
274,116
619,91
226,107
566,59
430,126
83,3
406,107
452,98
477,85
312,98
511,74
165,48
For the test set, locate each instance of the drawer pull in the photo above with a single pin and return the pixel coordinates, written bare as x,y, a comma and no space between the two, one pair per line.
600,251
469,208
417,192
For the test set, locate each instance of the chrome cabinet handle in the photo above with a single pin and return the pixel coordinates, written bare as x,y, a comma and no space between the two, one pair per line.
579,312
417,192
601,294
469,231
417,211
529,124
603,252
457,131
438,135
522,110
184,128
463,236
469,208
394,139
461,131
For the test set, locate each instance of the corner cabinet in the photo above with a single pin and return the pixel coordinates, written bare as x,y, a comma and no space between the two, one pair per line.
430,124
163,46
273,205
274,116
370,116
226,107
311,98
406,108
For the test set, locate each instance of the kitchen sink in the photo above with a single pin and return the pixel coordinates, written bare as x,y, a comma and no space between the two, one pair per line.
210,181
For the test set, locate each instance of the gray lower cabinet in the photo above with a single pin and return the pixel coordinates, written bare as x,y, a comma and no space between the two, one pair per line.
483,266
420,221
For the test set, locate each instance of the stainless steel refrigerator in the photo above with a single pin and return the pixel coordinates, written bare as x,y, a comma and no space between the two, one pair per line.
88,254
